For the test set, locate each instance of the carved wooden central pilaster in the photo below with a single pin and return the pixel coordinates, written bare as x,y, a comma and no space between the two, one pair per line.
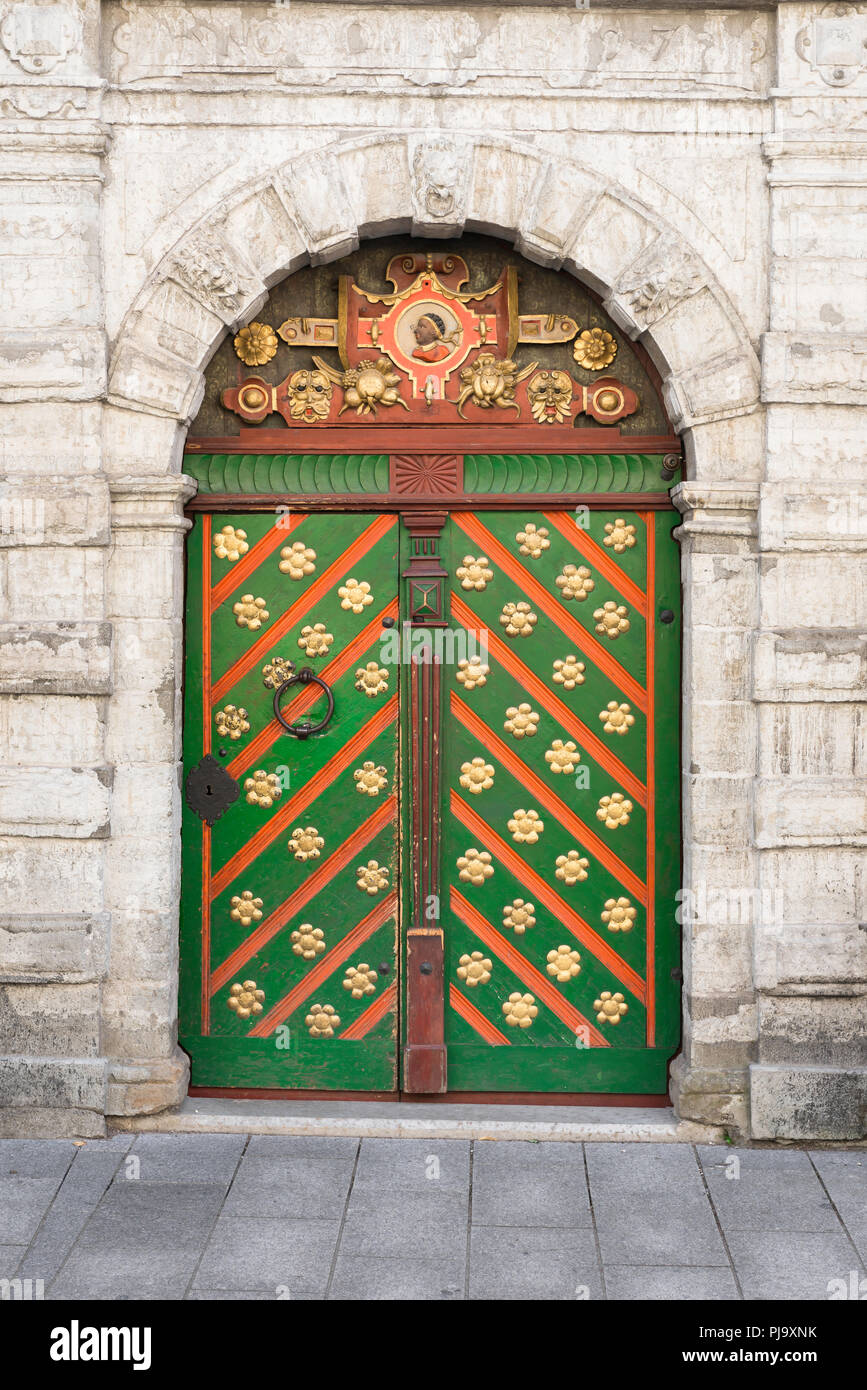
425,579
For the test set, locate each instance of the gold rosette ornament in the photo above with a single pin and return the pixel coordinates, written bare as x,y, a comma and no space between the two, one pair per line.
246,999
474,969
594,348
256,344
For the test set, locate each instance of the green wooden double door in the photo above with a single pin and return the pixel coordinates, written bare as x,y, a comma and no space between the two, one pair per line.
495,778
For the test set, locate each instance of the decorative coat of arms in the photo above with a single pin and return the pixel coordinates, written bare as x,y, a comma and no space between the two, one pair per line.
430,351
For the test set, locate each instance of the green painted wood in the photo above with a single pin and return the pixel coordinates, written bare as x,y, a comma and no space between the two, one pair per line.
222,1050
369,473
552,1054
549,1055
292,473
547,473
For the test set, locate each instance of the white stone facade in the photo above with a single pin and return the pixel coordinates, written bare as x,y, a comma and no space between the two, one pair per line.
704,167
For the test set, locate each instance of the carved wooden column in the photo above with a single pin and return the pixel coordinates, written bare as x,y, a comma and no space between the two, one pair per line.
425,1053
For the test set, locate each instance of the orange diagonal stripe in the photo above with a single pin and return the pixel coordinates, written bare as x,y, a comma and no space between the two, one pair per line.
338,954
530,880
371,1016
303,605
298,900
599,558
512,663
476,1019
280,820
309,694
542,793
256,555
526,973
554,608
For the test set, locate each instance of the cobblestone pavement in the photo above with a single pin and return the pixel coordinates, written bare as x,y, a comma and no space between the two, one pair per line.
223,1216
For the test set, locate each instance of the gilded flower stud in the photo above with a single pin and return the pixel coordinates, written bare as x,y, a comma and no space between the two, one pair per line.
263,788
616,719
619,914
614,810
306,842
520,1010
619,535
296,560
518,619
612,619
474,867
370,779
360,980
246,909
533,540
569,672
477,776
610,1008
315,640
575,582
245,999
594,348
250,612
519,916
308,941
371,877
355,596
372,679
562,757
322,1021
230,544
521,721
571,868
474,969
231,722
256,344
564,964
474,573
472,672
526,827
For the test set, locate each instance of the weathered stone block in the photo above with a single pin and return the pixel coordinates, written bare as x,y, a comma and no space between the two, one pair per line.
45,874
62,658
824,1031
143,1088
810,811
801,740
808,1102
807,666
50,1019
790,956
721,809
376,177
41,366
64,947
68,802
58,511
318,202
139,1019
795,367
53,1083
814,591
68,584
52,730
721,739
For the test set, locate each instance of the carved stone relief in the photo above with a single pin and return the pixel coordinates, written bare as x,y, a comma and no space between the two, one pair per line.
38,38
311,45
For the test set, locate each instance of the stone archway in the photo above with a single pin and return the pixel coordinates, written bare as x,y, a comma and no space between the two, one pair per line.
316,208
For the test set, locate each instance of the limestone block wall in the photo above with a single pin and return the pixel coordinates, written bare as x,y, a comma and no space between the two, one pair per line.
703,168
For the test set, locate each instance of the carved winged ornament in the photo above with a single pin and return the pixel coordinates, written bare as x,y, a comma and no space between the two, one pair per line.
433,351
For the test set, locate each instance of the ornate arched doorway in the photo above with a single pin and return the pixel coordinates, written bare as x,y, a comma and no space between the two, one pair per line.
431,836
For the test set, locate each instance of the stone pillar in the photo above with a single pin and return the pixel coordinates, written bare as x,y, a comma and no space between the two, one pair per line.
710,1078
55,645
810,661
146,1069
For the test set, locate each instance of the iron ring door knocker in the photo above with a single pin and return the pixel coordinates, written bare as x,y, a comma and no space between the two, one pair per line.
303,677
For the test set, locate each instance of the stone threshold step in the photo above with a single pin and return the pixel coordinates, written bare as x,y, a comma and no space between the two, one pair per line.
376,1120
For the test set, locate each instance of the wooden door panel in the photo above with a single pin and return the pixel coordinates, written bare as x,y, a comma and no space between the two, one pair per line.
558,877
274,901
